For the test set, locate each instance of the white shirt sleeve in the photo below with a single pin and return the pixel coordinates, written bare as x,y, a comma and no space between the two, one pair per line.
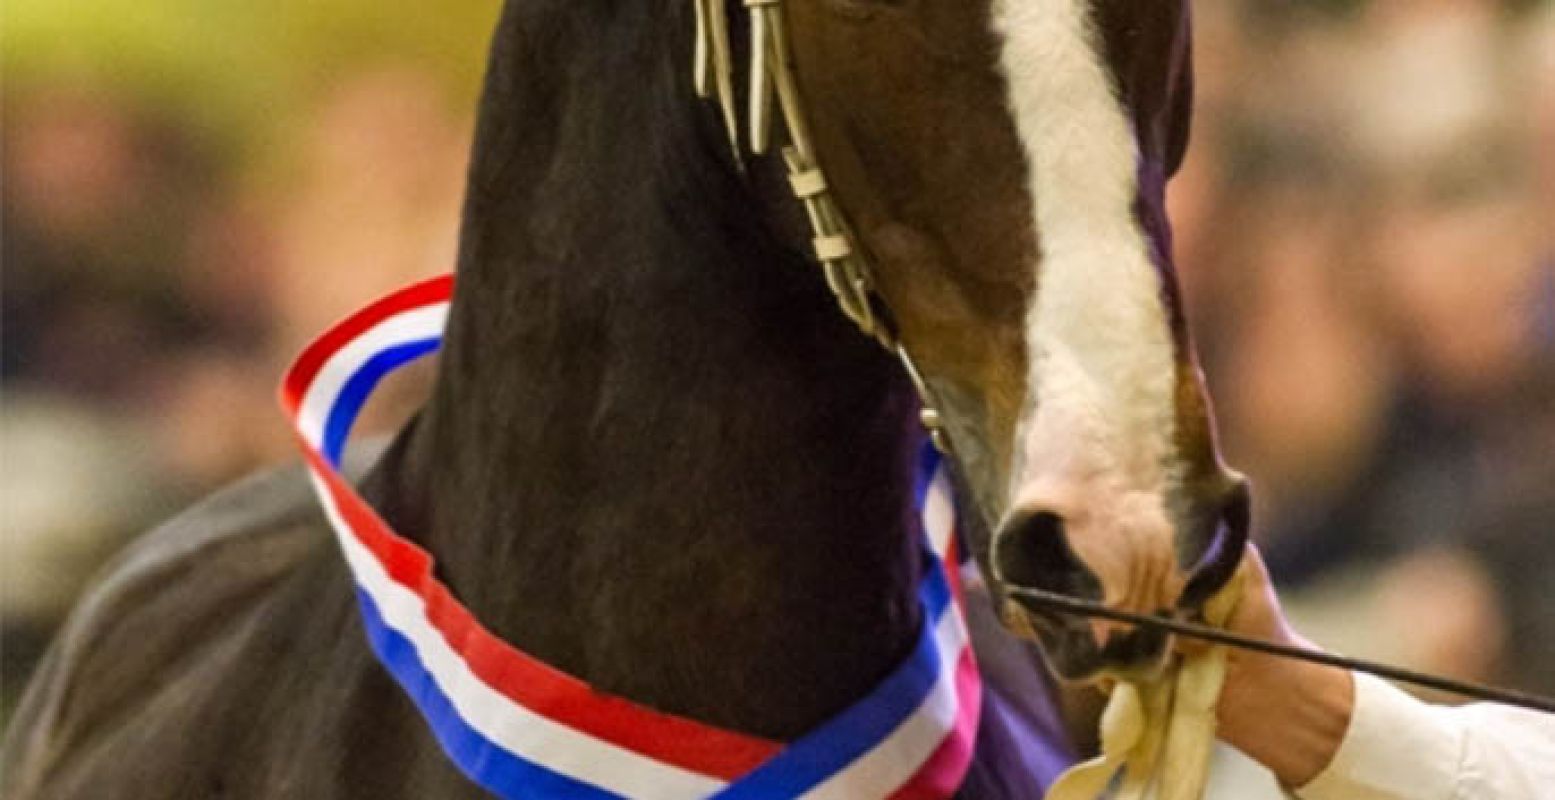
1399,748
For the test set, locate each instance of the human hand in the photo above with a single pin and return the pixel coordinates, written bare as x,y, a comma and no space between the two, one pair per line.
1288,715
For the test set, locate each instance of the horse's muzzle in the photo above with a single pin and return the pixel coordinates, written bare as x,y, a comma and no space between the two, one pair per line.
1032,550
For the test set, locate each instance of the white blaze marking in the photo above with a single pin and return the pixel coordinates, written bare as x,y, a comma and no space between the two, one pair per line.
1102,355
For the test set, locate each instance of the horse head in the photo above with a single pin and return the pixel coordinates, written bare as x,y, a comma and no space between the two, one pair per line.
1002,165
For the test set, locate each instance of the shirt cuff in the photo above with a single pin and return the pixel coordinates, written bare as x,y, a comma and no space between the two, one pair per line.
1396,748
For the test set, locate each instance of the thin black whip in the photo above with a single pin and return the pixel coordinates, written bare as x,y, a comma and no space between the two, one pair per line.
1088,608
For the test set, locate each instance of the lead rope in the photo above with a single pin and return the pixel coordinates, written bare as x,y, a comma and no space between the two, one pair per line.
771,73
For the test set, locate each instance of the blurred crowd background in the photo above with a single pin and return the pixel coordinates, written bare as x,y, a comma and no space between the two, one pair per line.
1366,233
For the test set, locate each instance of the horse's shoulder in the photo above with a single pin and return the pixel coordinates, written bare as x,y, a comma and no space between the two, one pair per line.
172,600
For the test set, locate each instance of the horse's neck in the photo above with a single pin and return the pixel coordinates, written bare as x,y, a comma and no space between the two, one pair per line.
656,457
708,519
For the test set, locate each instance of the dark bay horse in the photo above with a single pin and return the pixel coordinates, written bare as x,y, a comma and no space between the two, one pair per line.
655,455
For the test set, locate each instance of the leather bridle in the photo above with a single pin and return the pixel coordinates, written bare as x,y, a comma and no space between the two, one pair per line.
847,269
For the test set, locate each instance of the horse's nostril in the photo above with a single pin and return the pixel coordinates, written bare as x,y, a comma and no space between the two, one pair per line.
1222,553
1032,550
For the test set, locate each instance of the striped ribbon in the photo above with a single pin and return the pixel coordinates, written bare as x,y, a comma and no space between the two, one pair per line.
521,728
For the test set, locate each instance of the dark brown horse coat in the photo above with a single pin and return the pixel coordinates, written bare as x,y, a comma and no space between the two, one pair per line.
655,457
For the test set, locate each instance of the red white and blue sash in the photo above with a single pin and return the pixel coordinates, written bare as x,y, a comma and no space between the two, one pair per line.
523,729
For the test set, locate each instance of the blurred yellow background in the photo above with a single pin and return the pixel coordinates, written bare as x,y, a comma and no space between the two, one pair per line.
1364,227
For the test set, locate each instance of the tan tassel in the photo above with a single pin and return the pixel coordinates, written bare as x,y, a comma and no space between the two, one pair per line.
701,69
723,71
762,12
782,72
